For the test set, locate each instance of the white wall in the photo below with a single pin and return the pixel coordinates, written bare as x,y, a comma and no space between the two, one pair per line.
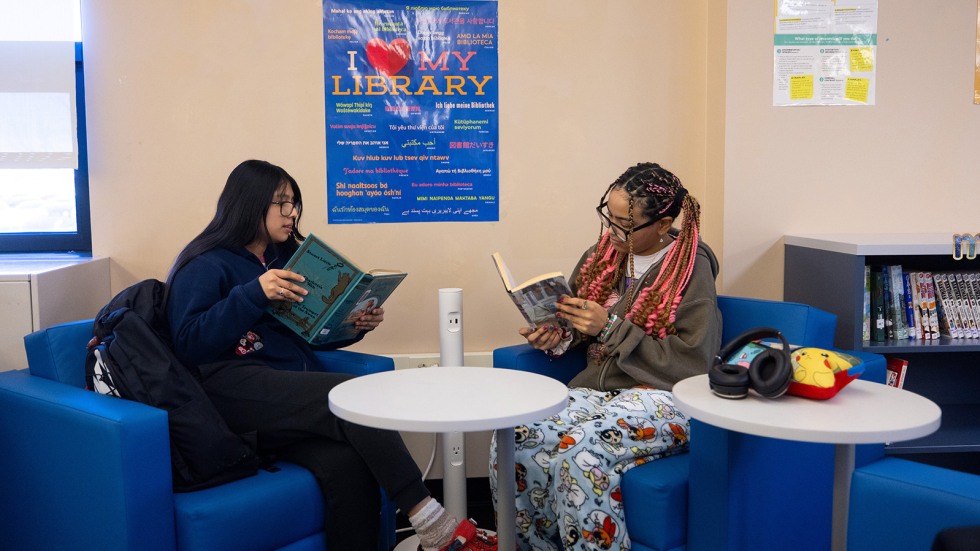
180,91
907,164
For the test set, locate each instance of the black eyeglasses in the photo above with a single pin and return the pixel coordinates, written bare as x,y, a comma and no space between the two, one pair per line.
618,230
286,207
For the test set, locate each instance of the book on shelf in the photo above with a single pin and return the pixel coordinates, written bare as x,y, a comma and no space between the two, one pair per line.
950,323
339,292
972,296
961,290
866,312
895,370
961,298
877,306
910,319
918,299
901,327
930,294
535,298
947,326
889,300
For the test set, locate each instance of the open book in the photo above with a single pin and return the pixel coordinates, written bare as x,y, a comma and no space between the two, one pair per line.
339,293
535,297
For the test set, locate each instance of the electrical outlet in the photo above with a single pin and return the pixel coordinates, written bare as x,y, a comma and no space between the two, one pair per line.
454,325
454,447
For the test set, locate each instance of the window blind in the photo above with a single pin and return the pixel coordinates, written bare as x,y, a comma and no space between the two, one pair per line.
37,85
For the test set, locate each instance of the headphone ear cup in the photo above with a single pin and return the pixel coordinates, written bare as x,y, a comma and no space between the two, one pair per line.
770,373
729,380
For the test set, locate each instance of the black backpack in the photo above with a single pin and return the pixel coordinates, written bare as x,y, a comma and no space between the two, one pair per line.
130,356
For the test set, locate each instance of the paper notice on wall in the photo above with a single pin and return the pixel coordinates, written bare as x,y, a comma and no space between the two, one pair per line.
824,52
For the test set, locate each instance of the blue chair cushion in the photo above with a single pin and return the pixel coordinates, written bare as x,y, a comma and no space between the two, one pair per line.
901,504
353,363
656,494
266,511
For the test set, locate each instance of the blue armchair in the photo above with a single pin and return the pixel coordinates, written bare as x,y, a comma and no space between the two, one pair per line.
697,500
901,504
84,471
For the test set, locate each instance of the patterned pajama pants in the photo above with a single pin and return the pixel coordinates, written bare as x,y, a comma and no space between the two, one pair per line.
569,466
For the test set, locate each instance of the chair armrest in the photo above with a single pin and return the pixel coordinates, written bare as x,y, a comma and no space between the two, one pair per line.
58,352
523,357
354,363
73,459
901,504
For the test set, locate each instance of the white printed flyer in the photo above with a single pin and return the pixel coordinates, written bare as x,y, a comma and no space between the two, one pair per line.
824,52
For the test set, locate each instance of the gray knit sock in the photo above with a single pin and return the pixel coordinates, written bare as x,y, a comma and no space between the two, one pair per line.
433,525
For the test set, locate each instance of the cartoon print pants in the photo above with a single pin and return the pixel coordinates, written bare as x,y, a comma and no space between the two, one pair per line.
569,466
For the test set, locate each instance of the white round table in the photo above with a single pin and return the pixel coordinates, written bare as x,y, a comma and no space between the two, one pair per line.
448,399
861,413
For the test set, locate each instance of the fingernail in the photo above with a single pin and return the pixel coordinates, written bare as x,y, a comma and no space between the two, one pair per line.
557,314
561,299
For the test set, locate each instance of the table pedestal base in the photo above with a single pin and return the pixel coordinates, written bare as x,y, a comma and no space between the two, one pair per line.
843,469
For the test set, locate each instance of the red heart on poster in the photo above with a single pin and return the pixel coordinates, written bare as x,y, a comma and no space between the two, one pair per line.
388,58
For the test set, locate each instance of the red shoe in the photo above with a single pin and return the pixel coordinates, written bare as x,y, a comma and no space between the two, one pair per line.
468,537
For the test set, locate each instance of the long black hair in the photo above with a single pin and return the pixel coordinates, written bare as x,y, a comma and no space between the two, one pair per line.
241,212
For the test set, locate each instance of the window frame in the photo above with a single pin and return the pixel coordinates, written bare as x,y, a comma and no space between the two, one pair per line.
79,241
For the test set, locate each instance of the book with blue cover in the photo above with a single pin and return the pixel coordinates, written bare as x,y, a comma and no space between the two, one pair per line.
339,292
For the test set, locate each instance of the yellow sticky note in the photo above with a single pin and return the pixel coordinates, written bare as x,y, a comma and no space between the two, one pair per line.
801,87
857,89
862,60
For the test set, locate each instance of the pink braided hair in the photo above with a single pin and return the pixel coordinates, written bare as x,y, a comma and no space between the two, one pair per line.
655,309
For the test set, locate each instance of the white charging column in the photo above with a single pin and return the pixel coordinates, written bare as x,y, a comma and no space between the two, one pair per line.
451,354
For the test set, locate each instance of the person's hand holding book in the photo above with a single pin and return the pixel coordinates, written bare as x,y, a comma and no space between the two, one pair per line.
369,321
585,316
278,285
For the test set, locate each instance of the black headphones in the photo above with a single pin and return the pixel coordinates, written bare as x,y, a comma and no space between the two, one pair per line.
769,374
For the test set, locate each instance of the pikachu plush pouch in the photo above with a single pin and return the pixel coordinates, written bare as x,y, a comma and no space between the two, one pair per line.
820,373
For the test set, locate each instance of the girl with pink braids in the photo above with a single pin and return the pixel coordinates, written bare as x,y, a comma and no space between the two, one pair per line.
645,309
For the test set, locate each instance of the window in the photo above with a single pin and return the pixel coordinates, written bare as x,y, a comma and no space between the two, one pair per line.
47,209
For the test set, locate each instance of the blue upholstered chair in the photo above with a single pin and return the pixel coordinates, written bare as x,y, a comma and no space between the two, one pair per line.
83,471
901,504
704,499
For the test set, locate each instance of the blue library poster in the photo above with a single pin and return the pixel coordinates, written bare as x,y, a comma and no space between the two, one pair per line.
411,111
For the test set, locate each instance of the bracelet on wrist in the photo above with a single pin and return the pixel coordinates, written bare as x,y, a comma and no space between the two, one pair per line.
604,334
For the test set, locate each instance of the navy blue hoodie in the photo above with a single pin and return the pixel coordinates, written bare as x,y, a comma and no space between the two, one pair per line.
217,312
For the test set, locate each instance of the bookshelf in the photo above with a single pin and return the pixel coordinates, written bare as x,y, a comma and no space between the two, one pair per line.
827,271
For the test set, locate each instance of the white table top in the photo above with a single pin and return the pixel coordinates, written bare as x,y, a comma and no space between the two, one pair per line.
444,399
861,413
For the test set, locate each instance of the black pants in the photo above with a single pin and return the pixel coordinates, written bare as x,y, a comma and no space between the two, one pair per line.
963,538
288,410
